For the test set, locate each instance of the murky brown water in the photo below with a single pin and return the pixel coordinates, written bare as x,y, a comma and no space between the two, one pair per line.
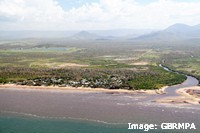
118,108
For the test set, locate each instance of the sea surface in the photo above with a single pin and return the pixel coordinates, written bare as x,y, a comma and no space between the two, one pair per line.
38,111
11,124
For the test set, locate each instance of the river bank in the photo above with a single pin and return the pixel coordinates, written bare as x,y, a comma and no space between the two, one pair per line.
188,95
179,94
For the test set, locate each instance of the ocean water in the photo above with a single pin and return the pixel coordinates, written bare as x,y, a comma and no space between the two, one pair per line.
12,124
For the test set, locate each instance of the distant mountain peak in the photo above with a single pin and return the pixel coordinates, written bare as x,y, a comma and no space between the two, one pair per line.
85,35
178,24
178,27
83,32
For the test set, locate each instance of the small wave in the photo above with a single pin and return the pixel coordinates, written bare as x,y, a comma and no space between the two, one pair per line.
123,104
160,105
60,118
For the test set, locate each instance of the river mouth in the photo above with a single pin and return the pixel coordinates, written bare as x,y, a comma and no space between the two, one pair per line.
172,90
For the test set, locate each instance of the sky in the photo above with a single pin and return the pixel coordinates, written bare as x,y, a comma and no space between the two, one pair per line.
96,14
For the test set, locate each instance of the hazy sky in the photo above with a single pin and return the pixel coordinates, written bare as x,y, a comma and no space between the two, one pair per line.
96,14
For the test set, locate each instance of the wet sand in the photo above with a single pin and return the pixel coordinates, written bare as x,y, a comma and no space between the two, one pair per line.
191,92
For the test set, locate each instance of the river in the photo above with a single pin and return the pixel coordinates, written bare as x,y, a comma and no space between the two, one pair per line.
189,82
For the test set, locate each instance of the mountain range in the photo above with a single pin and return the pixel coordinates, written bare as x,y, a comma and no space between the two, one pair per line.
75,35
172,33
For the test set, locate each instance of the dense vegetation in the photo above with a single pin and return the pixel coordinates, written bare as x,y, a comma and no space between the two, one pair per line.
152,78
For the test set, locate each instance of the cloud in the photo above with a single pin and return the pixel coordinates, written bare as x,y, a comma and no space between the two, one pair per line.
31,14
105,14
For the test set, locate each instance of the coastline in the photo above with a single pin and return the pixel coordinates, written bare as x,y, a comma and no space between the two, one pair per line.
88,89
81,89
186,96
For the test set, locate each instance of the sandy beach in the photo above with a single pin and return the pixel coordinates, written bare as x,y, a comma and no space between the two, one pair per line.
184,94
81,89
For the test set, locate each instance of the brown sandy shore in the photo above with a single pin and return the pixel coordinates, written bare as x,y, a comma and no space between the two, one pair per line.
80,89
188,95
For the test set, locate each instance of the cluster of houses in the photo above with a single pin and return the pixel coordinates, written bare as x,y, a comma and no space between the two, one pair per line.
110,82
